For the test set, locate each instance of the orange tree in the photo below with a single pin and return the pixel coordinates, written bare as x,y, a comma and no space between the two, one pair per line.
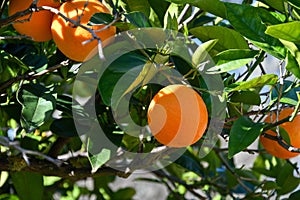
64,121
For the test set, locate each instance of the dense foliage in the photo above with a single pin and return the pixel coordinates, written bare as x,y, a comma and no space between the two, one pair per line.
255,48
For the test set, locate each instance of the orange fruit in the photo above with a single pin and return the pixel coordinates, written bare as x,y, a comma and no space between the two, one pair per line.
292,128
69,38
177,116
38,24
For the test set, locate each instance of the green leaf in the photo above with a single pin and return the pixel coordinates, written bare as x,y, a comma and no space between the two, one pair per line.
187,162
158,10
234,54
30,142
64,127
259,166
292,57
171,22
138,19
277,4
286,180
28,185
215,7
232,59
111,76
3,178
8,197
258,82
38,104
201,52
50,180
292,65
289,95
288,31
229,39
295,3
284,134
147,73
140,7
243,133
100,18
247,97
295,195
98,160
251,22
35,62
269,185
124,193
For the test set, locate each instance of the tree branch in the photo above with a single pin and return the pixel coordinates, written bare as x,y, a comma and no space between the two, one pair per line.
46,168
281,142
32,75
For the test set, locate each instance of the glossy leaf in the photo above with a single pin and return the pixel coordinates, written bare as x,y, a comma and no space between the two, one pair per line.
146,74
28,185
248,21
295,3
38,104
247,97
124,194
9,197
229,39
115,71
100,19
215,7
289,95
292,65
295,195
288,31
201,52
98,160
36,62
158,10
243,133
269,185
64,127
138,19
232,59
276,4
140,7
286,180
171,22
258,82
187,162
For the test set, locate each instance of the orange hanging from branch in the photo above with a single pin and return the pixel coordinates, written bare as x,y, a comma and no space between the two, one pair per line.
36,25
69,38
177,116
292,128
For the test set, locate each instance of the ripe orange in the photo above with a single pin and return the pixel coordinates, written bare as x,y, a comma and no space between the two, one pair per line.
177,116
38,24
69,38
292,128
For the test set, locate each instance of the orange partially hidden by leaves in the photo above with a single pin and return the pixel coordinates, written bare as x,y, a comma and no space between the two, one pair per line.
69,38
292,128
36,25
177,116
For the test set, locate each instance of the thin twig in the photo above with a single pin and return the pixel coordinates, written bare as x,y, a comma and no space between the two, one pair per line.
66,170
281,142
16,37
4,141
32,75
